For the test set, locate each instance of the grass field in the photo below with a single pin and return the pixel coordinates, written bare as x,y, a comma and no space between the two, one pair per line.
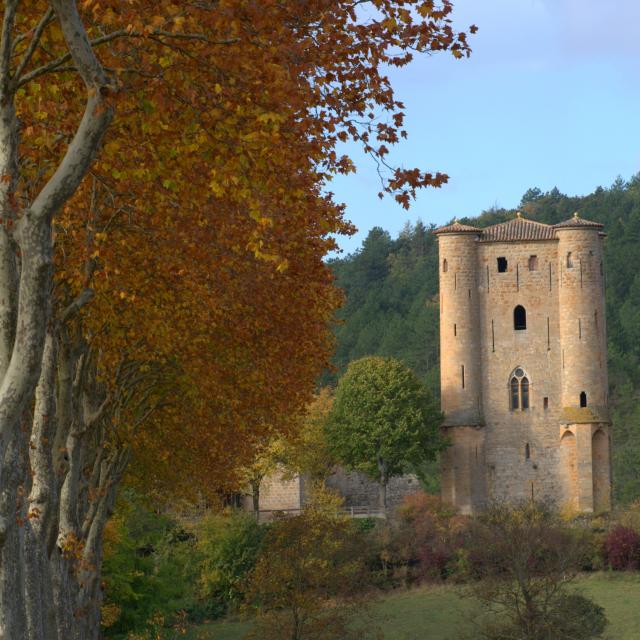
438,613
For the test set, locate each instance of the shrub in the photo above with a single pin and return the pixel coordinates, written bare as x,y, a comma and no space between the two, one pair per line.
622,549
431,534
310,580
228,546
521,560
146,569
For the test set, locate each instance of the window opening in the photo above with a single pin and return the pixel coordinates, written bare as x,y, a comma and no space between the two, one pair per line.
524,392
455,330
579,329
595,317
601,270
569,260
548,336
502,265
488,284
519,389
515,394
527,451
533,263
455,281
581,274
583,399
469,294
463,376
493,338
545,403
445,266
519,318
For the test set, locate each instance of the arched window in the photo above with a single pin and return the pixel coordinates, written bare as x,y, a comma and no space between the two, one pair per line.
515,393
524,392
519,389
583,399
445,266
519,318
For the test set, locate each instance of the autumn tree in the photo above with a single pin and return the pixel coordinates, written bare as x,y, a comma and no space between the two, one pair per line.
309,582
384,420
522,561
161,272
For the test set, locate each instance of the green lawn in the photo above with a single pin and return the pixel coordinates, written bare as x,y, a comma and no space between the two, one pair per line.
438,613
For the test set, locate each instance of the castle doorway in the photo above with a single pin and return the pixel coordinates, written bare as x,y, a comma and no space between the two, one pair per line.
600,467
569,470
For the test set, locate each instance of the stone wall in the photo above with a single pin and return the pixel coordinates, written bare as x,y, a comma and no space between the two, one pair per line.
554,449
359,491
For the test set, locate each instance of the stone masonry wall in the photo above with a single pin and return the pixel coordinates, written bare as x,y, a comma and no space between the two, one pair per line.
555,449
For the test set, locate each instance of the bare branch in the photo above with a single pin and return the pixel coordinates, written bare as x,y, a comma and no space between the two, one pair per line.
33,45
83,298
8,22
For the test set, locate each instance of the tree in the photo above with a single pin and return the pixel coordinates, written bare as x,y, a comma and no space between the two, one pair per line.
309,578
145,260
522,560
383,421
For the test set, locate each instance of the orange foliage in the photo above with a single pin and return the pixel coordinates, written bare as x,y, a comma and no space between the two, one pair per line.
204,223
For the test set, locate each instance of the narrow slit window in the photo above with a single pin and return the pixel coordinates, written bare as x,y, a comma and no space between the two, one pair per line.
524,392
548,336
469,294
533,263
502,265
445,266
493,337
569,260
545,403
455,329
527,451
462,369
515,394
583,399
519,318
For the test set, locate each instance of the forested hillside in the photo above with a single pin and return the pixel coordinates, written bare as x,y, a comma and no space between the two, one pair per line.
392,306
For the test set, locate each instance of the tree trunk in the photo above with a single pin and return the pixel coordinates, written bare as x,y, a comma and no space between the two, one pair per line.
383,481
382,497
255,497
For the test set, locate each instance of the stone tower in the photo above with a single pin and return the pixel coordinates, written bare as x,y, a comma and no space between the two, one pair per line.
524,364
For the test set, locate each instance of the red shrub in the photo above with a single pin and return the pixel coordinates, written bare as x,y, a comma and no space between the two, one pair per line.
430,533
622,549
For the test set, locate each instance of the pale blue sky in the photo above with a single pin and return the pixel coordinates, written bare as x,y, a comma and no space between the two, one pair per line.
550,97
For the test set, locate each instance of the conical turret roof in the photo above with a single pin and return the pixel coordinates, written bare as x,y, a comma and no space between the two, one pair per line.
578,222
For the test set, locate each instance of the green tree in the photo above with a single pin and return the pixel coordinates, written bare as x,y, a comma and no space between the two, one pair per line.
384,421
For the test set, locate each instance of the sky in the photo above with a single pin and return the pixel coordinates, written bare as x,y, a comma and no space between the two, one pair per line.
549,98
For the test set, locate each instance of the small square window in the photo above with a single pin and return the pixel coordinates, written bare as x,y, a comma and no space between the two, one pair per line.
533,263
502,265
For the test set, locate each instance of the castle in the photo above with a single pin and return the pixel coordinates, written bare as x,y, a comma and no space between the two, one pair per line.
524,364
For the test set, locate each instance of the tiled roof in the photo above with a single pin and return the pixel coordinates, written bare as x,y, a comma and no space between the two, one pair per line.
518,229
457,227
577,221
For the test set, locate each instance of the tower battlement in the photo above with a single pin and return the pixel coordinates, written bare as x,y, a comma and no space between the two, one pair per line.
523,364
